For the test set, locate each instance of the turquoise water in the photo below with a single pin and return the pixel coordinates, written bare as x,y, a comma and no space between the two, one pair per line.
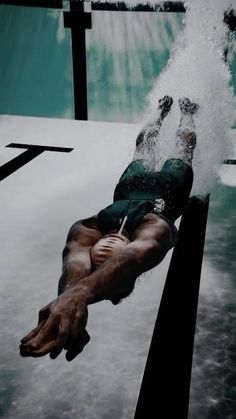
36,70
36,80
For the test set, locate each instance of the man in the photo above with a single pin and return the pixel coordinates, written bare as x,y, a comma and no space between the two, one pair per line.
105,254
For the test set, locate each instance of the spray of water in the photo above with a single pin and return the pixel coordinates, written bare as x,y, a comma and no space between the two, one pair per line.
196,69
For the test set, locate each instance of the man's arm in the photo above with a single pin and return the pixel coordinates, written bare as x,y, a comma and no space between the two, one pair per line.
120,271
151,242
76,255
68,313
52,330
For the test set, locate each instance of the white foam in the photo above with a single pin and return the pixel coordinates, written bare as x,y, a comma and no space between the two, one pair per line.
196,69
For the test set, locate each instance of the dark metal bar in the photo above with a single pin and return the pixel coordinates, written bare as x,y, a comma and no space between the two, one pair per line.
51,4
40,147
79,21
229,161
32,151
166,6
16,163
166,381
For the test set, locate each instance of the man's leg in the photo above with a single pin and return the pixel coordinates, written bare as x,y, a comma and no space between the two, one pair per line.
147,139
186,136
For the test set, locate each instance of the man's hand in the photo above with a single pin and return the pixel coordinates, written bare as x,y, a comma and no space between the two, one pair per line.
61,326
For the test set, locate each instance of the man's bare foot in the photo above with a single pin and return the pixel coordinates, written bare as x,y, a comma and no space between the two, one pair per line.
165,105
188,107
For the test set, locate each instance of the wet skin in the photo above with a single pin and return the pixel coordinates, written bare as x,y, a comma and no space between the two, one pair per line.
62,323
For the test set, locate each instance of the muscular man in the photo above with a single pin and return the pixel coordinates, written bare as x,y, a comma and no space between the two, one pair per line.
105,254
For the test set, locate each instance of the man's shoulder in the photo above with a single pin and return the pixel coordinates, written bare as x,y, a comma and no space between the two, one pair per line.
152,218
160,224
83,227
90,222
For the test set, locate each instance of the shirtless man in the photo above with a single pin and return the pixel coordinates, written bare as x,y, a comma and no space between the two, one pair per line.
105,254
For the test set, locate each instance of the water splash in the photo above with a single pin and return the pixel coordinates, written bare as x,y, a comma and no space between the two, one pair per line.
196,69
125,53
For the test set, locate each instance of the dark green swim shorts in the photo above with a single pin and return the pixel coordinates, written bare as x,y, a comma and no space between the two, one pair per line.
139,187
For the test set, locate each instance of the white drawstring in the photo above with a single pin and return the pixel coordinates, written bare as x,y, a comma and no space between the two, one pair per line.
123,224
